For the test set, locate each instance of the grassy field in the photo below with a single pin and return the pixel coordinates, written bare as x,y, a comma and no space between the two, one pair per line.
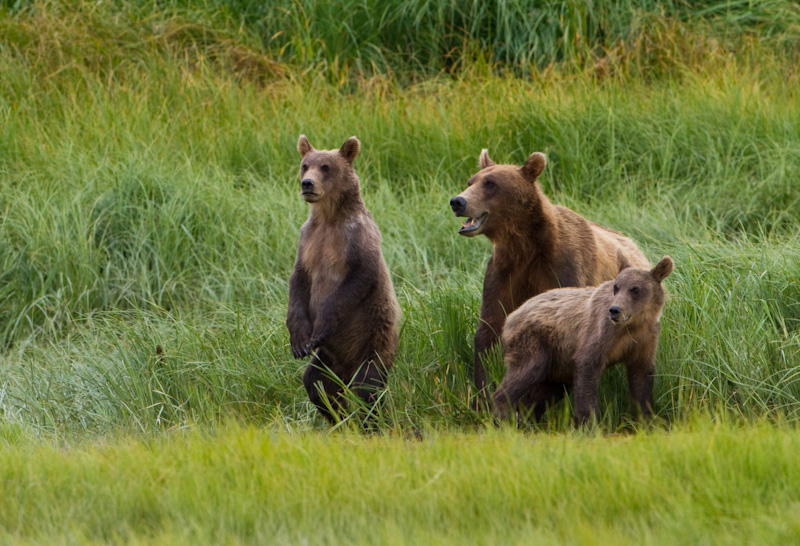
148,197
246,485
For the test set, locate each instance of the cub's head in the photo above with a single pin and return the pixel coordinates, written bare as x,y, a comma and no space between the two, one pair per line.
327,173
638,295
496,194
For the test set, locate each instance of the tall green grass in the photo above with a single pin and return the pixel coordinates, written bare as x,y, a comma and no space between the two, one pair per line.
409,40
148,198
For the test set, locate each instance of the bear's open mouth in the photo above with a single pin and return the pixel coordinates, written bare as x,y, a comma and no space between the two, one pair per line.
471,224
621,319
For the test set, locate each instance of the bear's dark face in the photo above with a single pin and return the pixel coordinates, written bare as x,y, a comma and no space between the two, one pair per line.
637,293
497,193
327,173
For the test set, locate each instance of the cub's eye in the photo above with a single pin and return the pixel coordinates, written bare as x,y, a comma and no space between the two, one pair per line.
304,168
635,291
616,289
325,168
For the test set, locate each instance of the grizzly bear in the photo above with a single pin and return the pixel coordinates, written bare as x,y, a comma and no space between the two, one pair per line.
538,246
342,305
569,336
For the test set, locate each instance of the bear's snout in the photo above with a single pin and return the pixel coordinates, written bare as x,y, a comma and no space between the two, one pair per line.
615,313
458,204
307,185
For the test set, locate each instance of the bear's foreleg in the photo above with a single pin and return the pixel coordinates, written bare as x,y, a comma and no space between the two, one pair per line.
588,370
641,372
297,320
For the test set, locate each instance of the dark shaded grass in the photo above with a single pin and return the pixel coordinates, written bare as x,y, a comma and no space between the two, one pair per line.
410,39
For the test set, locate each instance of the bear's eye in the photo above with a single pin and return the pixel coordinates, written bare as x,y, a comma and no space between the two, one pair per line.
490,185
616,289
635,291
325,168
304,168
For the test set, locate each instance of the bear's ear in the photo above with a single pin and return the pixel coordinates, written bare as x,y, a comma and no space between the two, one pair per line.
304,146
662,269
534,166
350,149
485,161
622,261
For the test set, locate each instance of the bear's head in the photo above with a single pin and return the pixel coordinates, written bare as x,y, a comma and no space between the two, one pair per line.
637,293
497,193
327,174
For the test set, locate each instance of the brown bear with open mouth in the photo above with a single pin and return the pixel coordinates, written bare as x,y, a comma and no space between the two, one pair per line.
538,246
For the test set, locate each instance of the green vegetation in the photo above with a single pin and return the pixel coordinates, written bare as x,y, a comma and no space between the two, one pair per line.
149,216
241,485
148,171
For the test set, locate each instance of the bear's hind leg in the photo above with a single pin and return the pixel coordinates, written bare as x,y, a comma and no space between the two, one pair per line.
368,381
521,381
323,391
547,393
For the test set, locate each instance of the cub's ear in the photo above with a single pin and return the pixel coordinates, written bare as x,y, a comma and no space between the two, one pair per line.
662,269
350,149
304,146
622,261
485,161
534,166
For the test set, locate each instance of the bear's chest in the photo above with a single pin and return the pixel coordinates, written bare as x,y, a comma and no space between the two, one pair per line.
324,257
629,343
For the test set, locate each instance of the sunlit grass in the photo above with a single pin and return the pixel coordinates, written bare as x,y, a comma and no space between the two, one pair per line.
701,482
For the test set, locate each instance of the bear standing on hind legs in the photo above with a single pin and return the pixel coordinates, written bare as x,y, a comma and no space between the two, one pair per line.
568,337
342,306
538,246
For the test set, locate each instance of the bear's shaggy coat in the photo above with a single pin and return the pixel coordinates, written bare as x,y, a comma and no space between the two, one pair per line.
538,246
342,305
570,336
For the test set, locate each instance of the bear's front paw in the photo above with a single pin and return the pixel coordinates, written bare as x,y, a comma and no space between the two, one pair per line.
315,343
299,343
300,350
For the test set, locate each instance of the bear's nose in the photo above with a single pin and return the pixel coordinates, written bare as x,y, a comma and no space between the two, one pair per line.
615,312
458,204
307,184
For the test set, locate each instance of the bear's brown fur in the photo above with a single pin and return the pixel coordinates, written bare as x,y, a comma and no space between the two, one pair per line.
342,305
569,336
538,246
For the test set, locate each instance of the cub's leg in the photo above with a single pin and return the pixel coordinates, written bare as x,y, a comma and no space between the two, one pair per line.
522,379
640,382
587,381
547,393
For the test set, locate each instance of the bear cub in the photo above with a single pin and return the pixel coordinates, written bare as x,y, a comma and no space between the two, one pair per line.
342,305
569,336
